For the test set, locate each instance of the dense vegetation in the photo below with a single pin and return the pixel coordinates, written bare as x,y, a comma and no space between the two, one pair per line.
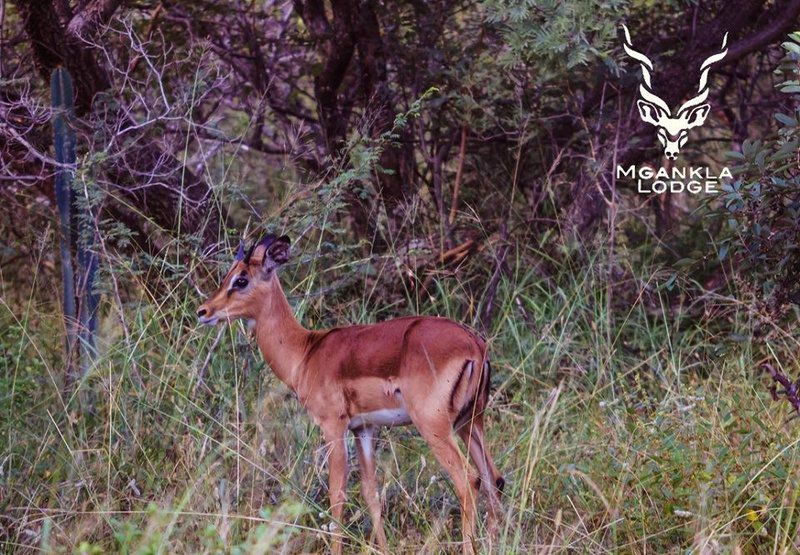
450,158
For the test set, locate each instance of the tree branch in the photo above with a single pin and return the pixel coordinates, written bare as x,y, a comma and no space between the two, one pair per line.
786,18
92,16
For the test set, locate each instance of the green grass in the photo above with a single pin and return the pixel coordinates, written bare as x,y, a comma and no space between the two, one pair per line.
624,418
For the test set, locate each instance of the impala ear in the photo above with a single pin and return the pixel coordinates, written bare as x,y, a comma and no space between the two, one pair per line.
269,253
277,253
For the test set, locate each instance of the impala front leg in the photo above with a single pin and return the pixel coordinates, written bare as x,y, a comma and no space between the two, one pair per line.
337,480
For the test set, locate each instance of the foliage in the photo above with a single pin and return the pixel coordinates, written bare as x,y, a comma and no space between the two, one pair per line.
603,421
762,206
554,37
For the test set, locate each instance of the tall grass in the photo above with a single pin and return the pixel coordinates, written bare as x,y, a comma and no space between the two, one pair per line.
622,420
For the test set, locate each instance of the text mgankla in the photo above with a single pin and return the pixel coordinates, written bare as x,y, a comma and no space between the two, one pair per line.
674,180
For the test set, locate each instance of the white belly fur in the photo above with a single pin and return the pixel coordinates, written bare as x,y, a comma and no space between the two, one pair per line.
382,417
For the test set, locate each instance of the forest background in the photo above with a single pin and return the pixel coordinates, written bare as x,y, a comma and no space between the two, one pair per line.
426,157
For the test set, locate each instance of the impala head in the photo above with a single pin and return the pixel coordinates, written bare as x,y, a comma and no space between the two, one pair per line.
673,130
246,286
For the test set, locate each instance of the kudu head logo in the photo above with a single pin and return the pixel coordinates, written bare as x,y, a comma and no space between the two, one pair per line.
673,131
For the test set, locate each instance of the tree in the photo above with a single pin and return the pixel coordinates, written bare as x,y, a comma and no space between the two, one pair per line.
178,198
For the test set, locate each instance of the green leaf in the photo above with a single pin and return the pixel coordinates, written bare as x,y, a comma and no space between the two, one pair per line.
785,119
791,47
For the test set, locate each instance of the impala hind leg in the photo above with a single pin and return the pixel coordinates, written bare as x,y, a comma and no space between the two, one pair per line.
437,433
492,483
337,480
365,447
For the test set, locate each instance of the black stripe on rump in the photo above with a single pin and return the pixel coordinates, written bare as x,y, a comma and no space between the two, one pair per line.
458,383
469,410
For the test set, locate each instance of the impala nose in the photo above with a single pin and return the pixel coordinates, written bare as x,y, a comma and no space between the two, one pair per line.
201,312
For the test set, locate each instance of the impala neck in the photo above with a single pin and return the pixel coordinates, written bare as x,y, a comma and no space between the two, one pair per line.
280,336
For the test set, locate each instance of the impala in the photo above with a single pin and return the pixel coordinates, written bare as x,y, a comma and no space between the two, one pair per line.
430,372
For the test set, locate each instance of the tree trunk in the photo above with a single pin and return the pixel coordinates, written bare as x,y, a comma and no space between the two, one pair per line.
354,64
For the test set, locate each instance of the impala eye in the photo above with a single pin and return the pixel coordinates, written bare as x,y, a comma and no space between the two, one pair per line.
240,283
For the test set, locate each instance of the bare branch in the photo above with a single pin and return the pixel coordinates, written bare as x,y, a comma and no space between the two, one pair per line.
93,15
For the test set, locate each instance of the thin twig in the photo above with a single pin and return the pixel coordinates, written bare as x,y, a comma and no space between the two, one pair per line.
459,172
487,314
202,370
790,389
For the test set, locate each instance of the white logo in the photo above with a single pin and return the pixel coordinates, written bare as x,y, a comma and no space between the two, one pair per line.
672,131
692,180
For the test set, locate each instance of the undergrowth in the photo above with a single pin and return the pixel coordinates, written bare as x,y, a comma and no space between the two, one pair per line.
626,416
